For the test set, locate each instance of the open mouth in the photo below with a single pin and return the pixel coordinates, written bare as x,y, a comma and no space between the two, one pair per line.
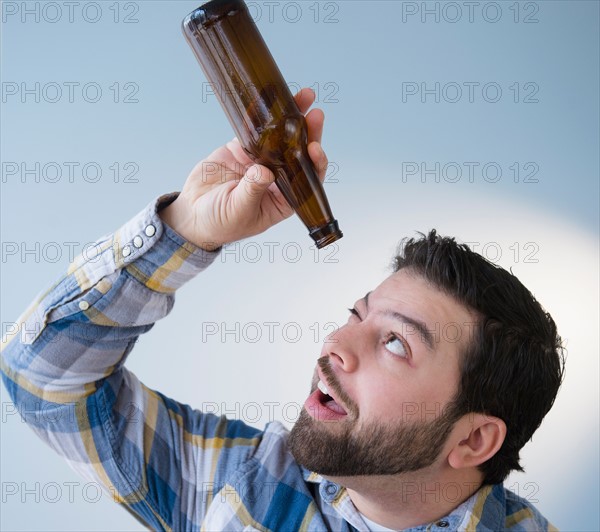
322,406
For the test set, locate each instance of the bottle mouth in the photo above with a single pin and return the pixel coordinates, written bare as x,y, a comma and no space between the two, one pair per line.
326,234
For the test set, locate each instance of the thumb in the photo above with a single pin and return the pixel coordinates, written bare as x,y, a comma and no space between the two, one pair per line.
253,185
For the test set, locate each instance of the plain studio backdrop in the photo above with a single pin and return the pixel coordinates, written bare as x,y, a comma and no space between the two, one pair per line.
477,118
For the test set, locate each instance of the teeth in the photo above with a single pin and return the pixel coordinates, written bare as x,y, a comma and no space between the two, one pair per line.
323,388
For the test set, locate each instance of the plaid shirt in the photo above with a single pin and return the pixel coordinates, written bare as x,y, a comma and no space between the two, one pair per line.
173,467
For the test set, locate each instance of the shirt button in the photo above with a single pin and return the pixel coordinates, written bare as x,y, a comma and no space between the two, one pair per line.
330,489
126,251
84,305
138,242
150,230
443,524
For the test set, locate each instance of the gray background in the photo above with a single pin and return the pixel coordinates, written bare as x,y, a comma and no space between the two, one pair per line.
533,116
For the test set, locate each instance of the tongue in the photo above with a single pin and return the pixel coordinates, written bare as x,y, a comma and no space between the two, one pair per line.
332,405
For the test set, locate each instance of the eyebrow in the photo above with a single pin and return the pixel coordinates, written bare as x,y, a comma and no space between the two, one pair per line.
420,326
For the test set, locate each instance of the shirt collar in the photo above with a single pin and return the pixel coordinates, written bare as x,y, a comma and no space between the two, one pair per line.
484,510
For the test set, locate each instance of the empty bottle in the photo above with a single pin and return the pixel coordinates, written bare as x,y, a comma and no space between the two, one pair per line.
260,107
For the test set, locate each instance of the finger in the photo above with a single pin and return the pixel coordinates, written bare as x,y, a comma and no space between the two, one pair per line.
220,166
319,158
304,99
223,157
238,152
315,120
251,189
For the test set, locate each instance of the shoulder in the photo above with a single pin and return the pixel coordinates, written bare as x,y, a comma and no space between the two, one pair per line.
494,508
274,445
521,514
273,462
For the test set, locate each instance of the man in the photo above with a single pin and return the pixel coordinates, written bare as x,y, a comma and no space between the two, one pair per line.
405,427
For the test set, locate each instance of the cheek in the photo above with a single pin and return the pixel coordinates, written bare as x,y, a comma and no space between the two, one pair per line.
408,397
383,397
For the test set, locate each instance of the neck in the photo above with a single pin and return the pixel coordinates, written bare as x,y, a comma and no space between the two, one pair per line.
407,500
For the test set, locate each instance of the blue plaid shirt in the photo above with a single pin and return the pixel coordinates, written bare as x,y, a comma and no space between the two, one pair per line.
173,467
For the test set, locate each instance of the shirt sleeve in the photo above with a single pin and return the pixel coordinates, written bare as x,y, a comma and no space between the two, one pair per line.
63,366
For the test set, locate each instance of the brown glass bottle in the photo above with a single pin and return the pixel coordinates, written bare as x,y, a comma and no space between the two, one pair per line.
260,107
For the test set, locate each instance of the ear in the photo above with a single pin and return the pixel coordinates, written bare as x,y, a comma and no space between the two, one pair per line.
482,438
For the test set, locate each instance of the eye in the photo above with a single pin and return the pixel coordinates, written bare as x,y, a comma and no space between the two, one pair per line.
354,312
396,346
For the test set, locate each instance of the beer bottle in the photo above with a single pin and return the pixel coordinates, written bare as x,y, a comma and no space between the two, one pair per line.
260,107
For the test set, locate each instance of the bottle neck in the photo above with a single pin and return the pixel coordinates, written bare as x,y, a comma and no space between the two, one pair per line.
300,184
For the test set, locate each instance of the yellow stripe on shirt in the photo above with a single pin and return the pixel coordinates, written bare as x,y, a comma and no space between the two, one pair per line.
478,507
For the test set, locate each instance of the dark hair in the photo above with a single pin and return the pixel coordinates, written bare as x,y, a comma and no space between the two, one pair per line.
514,365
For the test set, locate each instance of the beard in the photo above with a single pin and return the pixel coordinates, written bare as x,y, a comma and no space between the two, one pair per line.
347,448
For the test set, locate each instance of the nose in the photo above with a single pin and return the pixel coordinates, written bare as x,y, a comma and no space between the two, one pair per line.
342,347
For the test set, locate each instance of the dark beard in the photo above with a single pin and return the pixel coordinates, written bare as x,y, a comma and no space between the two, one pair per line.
373,449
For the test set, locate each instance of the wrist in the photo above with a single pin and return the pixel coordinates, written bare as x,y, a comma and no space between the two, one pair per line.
179,216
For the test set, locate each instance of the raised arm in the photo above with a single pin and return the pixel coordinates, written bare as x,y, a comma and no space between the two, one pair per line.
64,365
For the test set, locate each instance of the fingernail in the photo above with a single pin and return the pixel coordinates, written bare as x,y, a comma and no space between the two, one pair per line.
253,173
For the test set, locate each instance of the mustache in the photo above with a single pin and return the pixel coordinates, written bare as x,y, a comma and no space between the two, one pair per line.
332,382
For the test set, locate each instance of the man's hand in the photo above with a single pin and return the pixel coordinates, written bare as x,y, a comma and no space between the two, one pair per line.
227,197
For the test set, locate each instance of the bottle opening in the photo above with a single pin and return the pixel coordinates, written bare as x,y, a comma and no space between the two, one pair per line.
326,234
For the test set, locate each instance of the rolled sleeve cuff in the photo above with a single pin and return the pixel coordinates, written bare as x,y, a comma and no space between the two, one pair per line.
156,255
